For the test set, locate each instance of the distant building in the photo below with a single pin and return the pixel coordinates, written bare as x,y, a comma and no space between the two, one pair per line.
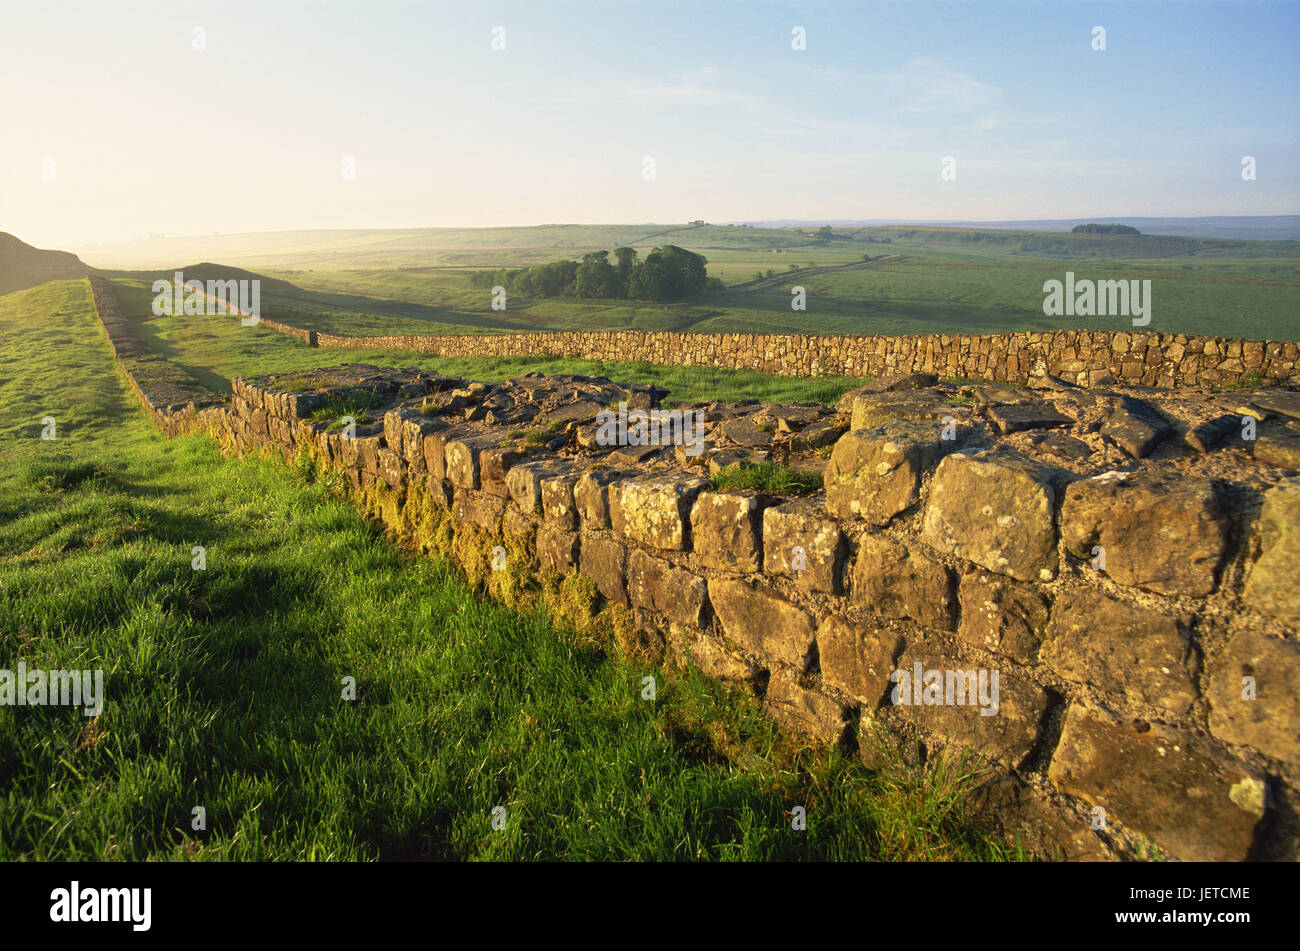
697,222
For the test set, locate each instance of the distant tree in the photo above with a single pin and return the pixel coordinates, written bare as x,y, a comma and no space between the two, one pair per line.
1103,229
825,234
596,277
668,273
626,258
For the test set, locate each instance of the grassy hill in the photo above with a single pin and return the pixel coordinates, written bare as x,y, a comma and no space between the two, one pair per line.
23,266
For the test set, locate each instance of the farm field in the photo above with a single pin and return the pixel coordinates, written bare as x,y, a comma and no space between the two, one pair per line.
216,349
932,280
225,682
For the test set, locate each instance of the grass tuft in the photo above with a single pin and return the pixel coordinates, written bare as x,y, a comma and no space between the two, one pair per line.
766,477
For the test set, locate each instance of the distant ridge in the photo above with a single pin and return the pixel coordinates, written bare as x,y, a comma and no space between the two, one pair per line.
22,266
1238,227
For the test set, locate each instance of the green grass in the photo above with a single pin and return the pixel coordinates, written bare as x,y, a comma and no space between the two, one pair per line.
355,405
766,477
223,686
214,350
926,280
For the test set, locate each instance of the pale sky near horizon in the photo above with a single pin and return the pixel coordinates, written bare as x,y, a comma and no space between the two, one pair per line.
148,135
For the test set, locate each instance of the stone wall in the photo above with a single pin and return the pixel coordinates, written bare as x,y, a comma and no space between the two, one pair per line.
1124,565
173,399
1087,358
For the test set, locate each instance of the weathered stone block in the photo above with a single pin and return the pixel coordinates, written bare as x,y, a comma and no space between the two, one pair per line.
995,713
440,492
858,660
1023,817
1273,586
557,500
1278,447
516,525
1161,783
1270,722
1001,615
656,512
367,448
557,550
392,469
524,482
714,660
818,436
886,384
762,623
1129,651
725,529
875,473
1136,427
892,582
475,508
798,709
435,455
1160,531
494,467
1018,418
463,455
996,510
415,428
393,425
924,406
800,542
604,561
656,585
591,494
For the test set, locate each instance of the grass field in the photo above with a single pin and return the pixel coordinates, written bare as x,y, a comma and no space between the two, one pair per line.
215,349
918,280
223,686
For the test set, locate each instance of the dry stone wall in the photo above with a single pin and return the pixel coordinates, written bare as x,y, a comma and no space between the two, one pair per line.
1094,591
174,401
1085,358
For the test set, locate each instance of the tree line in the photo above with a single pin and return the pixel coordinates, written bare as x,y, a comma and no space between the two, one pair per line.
1104,229
666,273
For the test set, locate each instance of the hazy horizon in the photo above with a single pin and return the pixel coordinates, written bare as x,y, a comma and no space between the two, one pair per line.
145,135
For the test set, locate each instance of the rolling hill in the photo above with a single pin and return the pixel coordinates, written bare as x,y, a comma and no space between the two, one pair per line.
22,266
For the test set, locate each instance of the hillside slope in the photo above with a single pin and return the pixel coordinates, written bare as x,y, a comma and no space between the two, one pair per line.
22,266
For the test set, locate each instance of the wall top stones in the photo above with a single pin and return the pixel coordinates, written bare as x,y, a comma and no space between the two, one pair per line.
1085,358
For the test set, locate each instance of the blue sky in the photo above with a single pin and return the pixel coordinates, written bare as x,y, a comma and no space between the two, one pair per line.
148,135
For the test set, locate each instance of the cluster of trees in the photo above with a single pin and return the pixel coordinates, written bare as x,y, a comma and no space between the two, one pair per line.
667,273
1103,229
